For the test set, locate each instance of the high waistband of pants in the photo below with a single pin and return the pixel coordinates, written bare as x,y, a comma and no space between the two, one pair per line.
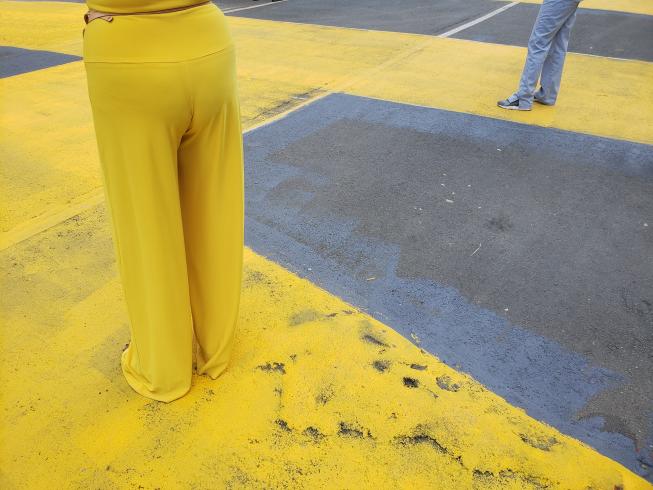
168,37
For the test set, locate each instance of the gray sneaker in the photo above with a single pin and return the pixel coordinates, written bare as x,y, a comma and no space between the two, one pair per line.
512,103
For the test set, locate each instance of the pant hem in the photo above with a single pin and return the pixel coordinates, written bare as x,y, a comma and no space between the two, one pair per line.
140,388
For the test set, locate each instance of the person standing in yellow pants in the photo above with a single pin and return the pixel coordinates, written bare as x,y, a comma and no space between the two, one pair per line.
163,93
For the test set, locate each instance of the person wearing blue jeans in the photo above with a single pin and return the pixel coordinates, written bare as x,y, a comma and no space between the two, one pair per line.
547,48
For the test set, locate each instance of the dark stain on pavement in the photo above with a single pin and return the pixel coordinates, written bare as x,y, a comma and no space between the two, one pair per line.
421,438
411,382
314,433
500,224
381,365
368,337
283,106
446,383
419,367
539,442
324,395
304,316
507,477
352,430
279,367
283,425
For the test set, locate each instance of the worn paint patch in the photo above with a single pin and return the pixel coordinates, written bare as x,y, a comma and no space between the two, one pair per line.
71,419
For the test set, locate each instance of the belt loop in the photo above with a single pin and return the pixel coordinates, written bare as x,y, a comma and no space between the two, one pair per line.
91,15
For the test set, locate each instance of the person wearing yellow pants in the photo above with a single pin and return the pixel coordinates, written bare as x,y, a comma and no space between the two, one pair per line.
163,93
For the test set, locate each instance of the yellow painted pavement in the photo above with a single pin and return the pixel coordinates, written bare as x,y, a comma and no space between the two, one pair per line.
600,96
304,404
319,395
51,26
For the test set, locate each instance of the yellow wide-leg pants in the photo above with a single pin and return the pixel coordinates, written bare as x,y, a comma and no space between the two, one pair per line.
163,93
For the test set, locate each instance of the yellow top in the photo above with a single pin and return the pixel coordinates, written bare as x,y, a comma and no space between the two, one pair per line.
173,36
125,6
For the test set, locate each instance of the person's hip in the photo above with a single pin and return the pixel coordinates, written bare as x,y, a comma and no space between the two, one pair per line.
160,37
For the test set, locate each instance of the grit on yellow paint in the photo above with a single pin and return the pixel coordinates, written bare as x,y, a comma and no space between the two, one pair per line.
319,395
644,7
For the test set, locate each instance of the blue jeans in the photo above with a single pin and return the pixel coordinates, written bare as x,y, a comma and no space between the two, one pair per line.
547,48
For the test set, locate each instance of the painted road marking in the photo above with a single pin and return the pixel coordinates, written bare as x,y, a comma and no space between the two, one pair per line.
477,21
416,16
229,11
318,394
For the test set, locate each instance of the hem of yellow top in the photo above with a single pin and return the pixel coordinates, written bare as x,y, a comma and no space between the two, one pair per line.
124,7
169,37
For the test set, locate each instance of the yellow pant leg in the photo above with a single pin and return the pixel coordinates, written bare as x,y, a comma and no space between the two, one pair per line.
163,92
140,112
211,186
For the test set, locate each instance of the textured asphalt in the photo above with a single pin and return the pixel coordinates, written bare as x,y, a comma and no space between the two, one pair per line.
415,16
518,254
237,4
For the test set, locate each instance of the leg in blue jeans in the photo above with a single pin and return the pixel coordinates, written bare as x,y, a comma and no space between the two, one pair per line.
547,47
553,64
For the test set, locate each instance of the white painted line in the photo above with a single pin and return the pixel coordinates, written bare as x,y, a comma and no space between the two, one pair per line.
228,11
477,21
604,57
